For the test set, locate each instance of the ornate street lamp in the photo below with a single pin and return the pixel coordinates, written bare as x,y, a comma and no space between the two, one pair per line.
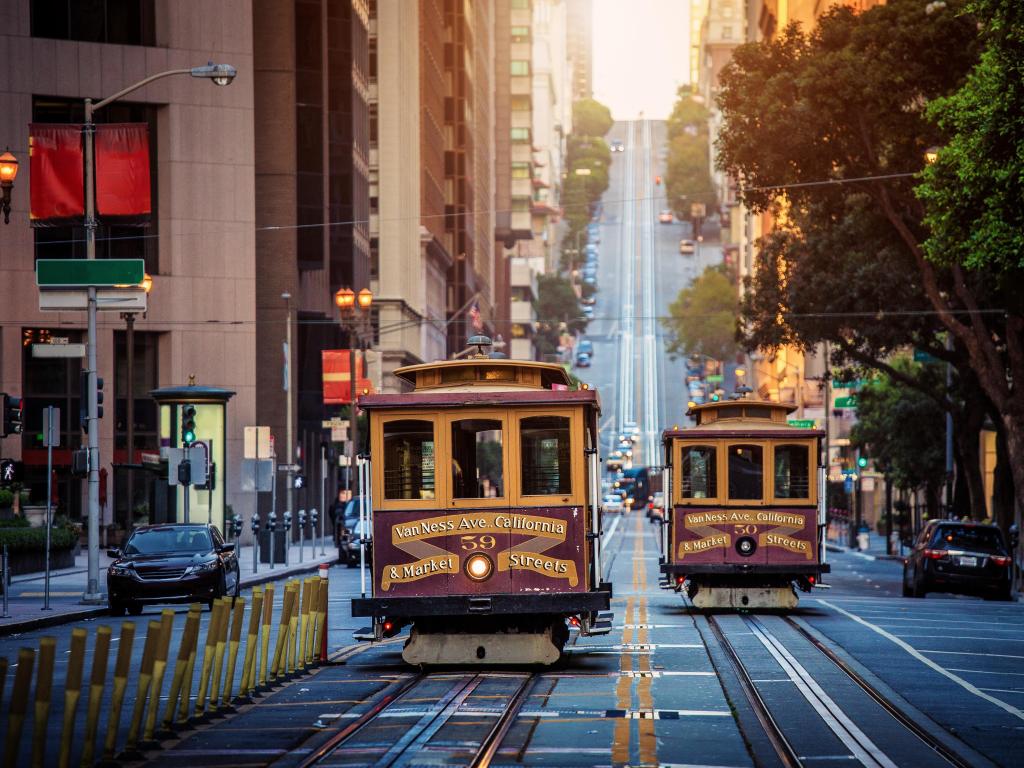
354,312
8,172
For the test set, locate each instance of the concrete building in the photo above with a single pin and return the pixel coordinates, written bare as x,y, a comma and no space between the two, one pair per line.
580,47
200,247
312,199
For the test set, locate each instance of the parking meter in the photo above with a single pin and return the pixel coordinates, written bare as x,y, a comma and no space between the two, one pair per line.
287,531
313,516
302,532
255,524
272,528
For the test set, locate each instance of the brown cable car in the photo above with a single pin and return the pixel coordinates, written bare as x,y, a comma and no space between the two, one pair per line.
484,512
746,528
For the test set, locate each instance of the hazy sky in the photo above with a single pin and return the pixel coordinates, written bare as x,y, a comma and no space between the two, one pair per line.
641,55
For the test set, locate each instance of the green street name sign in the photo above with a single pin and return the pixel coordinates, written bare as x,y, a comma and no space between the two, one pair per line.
846,402
87,273
716,378
802,423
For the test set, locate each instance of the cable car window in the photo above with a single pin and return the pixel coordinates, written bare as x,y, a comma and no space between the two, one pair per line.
746,471
545,463
408,459
699,476
730,412
477,459
792,474
757,412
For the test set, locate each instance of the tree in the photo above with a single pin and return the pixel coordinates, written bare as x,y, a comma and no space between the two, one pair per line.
557,308
688,115
814,122
902,430
590,118
688,172
702,319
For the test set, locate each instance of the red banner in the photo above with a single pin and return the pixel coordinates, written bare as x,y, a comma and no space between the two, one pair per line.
56,194
338,379
122,172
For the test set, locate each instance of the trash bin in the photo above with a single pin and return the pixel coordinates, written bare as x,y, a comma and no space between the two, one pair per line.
863,538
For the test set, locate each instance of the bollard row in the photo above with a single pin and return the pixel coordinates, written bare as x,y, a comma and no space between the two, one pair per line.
300,643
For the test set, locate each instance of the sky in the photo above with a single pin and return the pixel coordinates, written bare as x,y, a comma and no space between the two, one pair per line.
641,55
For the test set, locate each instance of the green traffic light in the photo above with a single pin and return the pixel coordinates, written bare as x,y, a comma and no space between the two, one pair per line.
862,462
190,436
714,398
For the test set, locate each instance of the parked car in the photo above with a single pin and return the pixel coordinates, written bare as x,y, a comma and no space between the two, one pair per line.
174,563
586,345
611,503
687,247
617,146
665,217
344,525
588,301
348,550
588,312
582,360
589,280
961,558
656,506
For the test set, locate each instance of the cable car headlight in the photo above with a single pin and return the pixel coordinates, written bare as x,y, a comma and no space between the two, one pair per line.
479,567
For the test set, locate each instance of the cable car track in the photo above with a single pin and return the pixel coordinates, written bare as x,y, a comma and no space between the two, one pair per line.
432,711
844,726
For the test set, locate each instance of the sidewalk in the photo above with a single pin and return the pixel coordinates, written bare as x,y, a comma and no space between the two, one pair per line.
875,550
67,585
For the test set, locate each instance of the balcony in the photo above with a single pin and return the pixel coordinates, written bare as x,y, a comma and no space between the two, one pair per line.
522,275
522,312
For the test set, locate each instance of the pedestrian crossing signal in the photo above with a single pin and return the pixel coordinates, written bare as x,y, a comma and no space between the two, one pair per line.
11,415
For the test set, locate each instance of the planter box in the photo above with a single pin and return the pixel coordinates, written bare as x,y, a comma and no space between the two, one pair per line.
35,562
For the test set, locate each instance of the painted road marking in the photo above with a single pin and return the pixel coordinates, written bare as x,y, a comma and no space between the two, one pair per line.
975,653
919,655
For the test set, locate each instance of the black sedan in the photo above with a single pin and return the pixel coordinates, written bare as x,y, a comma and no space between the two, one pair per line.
171,564
962,558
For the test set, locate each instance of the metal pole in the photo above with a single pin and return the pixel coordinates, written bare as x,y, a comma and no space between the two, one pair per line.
302,534
187,498
129,319
323,497
353,450
92,590
362,536
289,452
273,512
49,503
6,583
949,434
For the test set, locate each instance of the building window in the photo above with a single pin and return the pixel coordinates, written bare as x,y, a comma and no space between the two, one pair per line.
727,33
746,471
373,122
520,170
520,103
545,455
372,69
521,5
520,34
112,242
520,135
520,67
409,459
477,459
122,22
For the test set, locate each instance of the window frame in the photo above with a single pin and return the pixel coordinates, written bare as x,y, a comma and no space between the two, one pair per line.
577,490
495,414
767,470
378,497
812,472
677,472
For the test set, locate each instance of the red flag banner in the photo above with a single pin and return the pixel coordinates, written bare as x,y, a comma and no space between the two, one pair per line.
57,193
122,172
338,379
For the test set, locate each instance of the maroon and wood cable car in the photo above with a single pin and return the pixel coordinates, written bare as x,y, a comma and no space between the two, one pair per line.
747,524
484,513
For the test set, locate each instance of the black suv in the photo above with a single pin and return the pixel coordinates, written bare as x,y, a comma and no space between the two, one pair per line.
962,558
176,563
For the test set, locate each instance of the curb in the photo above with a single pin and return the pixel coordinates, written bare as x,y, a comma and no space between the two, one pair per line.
42,622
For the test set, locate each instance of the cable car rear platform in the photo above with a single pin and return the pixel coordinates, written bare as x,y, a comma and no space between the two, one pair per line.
743,569
494,604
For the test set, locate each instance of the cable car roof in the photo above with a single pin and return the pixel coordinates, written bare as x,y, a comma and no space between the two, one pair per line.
485,372
728,418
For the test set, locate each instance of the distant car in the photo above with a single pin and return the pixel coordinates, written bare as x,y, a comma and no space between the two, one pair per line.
588,301
587,346
589,280
617,146
686,247
611,503
593,234
962,558
665,217
632,430
656,506
173,563
346,527
582,360
588,312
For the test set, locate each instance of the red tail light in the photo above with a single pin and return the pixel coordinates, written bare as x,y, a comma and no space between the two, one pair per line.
680,579
388,626
1001,561
574,621
811,579
935,554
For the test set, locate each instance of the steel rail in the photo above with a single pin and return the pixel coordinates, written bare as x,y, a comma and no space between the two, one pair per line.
785,751
489,747
933,743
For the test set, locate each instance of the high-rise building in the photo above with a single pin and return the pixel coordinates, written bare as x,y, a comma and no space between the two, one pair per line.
580,43
311,132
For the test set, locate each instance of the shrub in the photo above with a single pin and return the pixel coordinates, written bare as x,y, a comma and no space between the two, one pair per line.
21,539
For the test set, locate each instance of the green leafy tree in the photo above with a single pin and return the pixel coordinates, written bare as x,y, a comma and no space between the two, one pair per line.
688,171
590,118
903,431
702,319
557,308
806,114
689,116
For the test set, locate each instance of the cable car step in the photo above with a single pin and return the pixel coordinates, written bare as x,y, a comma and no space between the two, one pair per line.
364,633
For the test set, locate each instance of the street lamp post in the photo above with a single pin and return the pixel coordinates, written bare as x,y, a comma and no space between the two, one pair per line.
354,309
221,74
129,322
287,383
8,172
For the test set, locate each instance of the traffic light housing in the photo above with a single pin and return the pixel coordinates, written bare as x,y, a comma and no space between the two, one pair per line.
188,424
862,461
83,399
12,417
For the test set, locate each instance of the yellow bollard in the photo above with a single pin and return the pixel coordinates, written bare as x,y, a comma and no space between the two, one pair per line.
218,655
19,705
159,669
314,605
98,681
209,649
145,680
321,643
293,629
263,677
307,591
248,685
121,668
234,640
186,686
277,670
72,693
44,692
181,664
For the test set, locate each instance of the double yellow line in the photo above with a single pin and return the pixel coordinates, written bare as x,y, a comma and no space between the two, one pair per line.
635,616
